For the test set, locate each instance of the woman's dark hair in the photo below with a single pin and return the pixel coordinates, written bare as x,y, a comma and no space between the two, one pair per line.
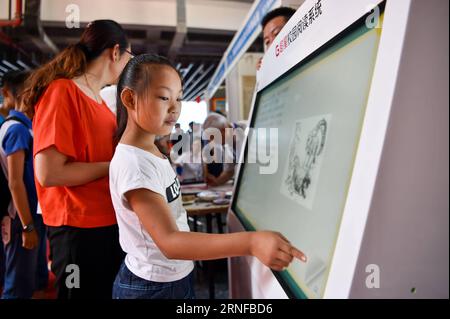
137,76
72,61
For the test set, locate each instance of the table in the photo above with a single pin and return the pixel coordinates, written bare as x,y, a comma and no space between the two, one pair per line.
209,211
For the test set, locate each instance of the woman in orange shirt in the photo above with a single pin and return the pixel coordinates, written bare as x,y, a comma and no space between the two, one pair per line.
73,145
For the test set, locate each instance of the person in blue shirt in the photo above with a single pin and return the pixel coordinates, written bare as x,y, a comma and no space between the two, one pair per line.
25,250
2,248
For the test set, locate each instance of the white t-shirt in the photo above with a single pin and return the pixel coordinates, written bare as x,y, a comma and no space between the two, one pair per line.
133,168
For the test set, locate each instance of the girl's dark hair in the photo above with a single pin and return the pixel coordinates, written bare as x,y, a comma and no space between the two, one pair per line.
137,76
72,61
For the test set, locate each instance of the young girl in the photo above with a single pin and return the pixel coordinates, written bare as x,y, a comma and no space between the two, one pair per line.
153,225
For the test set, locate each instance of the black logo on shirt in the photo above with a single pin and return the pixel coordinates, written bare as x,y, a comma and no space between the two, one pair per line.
173,191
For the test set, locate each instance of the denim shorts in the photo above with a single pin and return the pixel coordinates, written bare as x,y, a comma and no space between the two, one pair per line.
129,286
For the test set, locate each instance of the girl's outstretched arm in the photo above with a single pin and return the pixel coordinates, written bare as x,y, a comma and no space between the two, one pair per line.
271,248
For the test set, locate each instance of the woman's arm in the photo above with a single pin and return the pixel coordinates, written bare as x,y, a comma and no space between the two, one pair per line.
16,162
270,248
54,169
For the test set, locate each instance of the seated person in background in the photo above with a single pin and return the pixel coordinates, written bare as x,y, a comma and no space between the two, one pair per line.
194,130
178,129
225,156
189,164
